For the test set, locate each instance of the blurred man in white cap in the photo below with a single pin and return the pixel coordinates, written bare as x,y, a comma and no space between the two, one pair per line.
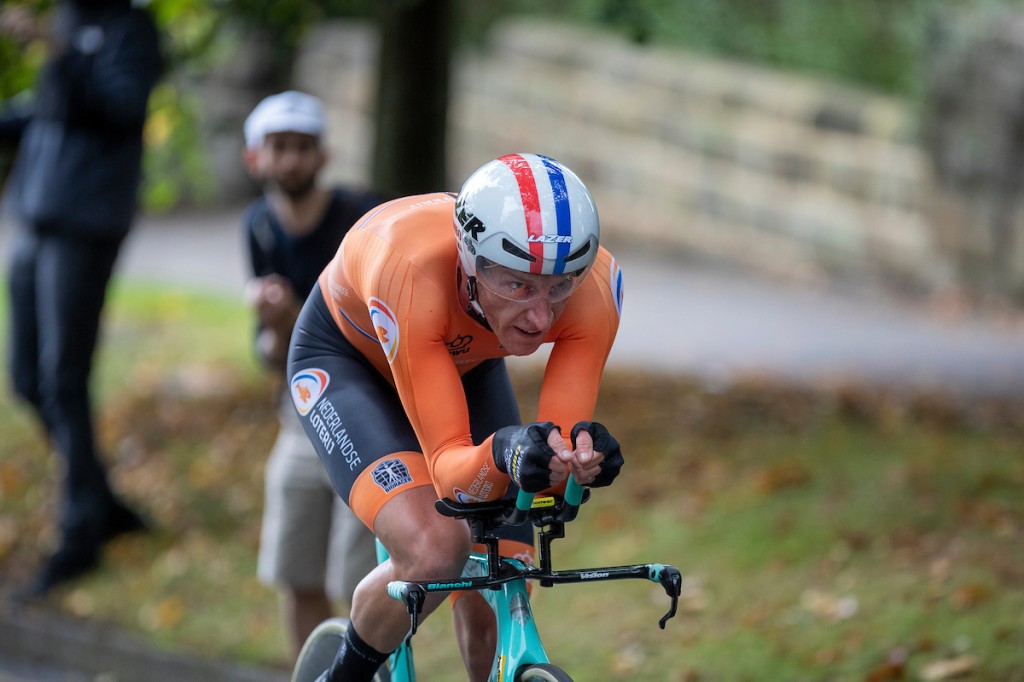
312,548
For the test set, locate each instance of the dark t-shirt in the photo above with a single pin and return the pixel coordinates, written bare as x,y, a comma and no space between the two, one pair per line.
300,259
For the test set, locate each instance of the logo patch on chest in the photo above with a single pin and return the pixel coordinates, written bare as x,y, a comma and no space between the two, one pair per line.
459,345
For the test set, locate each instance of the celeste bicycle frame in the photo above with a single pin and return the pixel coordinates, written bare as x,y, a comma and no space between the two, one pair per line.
520,654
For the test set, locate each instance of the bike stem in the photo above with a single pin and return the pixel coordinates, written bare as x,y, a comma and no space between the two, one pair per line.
548,535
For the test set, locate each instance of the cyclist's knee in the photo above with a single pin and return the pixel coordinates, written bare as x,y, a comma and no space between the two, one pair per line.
431,549
421,542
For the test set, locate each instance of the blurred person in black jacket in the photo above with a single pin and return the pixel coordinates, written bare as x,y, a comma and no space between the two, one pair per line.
73,189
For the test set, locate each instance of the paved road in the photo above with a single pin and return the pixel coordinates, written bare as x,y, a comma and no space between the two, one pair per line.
690,318
37,645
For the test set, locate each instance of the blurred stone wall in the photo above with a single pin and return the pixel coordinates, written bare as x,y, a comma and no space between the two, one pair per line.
783,173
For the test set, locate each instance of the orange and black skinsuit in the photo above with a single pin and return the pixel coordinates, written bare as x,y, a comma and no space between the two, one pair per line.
399,386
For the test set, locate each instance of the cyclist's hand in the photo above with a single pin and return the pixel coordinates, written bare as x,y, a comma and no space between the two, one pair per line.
526,454
562,460
598,456
585,463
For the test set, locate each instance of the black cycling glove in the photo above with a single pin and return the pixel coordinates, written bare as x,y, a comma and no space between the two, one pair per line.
605,443
523,453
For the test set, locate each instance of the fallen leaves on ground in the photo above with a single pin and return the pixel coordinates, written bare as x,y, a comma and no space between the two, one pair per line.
949,668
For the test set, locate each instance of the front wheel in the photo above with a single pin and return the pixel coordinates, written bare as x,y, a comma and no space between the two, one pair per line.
320,650
541,672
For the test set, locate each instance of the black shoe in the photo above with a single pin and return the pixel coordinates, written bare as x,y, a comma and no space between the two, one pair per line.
82,549
70,562
121,520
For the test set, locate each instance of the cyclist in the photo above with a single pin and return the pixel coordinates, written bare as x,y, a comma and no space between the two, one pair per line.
396,369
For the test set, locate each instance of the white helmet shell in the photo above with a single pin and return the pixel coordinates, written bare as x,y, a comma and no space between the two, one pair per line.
528,213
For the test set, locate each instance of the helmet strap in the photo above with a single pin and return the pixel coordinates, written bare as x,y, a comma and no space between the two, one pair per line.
473,308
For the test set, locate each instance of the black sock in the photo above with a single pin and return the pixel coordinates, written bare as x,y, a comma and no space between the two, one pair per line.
357,661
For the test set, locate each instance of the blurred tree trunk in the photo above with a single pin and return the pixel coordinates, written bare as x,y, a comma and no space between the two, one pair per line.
412,96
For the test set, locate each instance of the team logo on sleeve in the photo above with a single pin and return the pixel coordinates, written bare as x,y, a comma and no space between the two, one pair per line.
307,387
615,275
463,497
385,324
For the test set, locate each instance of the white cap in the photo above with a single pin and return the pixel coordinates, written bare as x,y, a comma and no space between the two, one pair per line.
286,112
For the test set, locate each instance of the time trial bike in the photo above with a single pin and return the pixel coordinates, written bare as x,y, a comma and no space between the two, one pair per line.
520,655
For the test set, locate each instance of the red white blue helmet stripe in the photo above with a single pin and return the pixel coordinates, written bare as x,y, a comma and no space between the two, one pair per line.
540,236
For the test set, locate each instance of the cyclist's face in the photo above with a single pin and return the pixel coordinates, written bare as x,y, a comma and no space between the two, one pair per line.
521,308
291,161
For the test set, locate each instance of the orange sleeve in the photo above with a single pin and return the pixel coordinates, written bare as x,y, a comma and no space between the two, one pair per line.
572,377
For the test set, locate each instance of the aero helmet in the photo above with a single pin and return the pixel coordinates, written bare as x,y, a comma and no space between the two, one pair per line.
528,213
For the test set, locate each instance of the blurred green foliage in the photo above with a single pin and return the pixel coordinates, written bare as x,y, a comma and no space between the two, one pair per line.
874,43
288,19
878,44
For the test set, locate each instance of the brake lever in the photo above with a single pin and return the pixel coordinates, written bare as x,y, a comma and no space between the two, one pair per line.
413,597
672,581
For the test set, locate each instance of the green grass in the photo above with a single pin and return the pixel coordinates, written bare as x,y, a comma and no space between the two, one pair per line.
824,535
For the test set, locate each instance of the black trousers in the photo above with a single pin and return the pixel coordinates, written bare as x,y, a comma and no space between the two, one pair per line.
57,287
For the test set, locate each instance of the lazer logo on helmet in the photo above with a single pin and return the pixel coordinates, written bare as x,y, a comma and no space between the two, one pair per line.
470,223
550,238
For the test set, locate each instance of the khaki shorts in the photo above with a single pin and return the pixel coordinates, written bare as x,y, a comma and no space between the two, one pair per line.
309,537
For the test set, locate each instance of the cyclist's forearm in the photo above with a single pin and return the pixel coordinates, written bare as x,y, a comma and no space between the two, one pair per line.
467,472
